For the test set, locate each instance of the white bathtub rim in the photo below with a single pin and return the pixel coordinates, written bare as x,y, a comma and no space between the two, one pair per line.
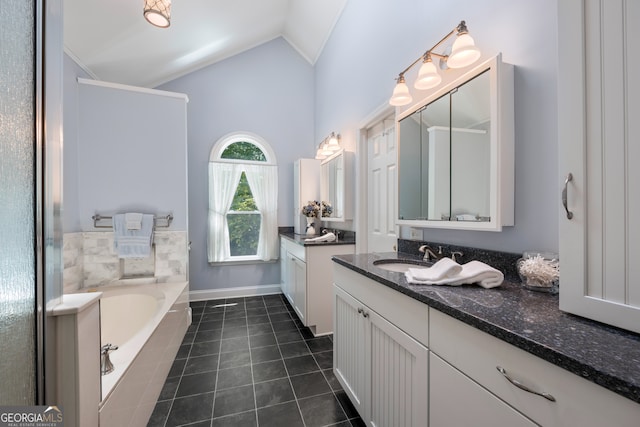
127,352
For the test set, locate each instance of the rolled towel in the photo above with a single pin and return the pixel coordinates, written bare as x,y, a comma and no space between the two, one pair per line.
329,237
472,272
444,268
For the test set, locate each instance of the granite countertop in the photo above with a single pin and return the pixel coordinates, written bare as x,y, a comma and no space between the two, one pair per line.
529,320
348,239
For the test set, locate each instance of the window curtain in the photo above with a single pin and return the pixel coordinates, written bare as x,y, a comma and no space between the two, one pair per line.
223,181
263,181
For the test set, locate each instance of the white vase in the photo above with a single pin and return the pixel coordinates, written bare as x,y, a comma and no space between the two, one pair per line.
310,230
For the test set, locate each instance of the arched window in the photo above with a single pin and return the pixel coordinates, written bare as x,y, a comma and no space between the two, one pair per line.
243,200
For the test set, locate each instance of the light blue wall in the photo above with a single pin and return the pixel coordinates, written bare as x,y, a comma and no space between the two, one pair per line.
71,216
132,153
374,41
269,91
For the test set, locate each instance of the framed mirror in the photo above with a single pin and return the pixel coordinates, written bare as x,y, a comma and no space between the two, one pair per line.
334,186
455,153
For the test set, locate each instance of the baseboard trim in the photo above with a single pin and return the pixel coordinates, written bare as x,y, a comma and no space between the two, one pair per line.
242,291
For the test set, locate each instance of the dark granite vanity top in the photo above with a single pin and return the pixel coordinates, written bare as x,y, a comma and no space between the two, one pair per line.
528,320
346,239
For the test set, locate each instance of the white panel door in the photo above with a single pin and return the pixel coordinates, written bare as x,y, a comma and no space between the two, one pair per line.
598,111
382,181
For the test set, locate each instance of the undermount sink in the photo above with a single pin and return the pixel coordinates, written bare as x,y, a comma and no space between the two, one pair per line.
399,265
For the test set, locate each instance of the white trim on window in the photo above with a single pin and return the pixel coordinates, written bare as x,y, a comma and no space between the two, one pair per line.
234,137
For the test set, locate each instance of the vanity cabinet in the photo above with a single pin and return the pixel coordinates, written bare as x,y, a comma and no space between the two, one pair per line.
380,353
306,281
403,363
466,357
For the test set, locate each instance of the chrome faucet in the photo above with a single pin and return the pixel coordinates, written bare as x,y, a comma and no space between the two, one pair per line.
106,366
429,255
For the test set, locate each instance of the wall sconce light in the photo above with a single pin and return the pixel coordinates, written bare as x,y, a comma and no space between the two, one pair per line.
463,53
158,12
328,146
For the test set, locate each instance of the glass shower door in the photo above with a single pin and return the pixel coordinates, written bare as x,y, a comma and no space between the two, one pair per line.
18,259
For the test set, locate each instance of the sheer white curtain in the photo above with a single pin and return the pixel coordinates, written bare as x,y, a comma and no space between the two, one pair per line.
223,181
263,181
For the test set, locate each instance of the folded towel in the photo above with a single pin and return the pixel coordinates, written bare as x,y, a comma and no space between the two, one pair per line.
472,272
444,268
133,221
133,243
466,217
329,237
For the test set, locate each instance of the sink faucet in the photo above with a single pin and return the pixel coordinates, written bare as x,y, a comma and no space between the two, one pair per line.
429,255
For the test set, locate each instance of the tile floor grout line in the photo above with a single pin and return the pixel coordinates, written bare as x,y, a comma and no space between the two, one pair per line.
215,386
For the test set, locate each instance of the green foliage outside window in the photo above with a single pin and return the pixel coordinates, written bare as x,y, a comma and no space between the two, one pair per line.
244,229
243,150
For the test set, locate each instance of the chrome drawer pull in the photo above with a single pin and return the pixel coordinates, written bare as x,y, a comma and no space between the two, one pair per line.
524,387
564,196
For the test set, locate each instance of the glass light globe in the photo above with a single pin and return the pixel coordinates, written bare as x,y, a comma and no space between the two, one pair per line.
401,95
428,76
463,52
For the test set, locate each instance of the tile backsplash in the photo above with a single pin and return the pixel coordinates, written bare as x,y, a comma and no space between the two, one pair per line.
91,260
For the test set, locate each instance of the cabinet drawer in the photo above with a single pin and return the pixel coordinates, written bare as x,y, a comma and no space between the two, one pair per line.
409,315
451,391
578,402
294,249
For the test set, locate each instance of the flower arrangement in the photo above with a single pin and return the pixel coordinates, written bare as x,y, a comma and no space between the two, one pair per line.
311,209
538,271
327,209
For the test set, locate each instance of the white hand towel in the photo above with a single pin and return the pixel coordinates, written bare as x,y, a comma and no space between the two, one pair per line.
472,272
329,237
133,221
444,268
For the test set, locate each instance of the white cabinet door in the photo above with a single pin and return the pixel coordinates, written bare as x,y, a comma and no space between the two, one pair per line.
456,400
384,372
285,281
399,369
598,130
298,275
350,340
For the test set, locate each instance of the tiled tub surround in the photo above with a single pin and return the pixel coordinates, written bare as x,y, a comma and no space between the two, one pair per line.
90,259
528,320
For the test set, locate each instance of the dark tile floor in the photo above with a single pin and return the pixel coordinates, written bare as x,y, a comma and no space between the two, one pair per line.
251,362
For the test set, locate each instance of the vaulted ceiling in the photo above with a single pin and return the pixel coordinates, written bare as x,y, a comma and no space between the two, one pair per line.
113,42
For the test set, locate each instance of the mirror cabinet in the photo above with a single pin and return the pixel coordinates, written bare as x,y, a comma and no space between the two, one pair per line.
335,185
456,153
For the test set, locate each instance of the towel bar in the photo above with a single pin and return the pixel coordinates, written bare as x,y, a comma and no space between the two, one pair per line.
158,221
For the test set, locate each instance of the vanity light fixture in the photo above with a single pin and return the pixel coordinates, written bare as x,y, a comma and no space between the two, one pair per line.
158,12
463,53
328,146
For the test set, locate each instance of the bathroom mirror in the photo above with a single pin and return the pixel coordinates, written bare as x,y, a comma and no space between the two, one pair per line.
334,182
455,153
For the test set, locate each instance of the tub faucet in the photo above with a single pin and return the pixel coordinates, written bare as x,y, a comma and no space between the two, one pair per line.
106,366
429,255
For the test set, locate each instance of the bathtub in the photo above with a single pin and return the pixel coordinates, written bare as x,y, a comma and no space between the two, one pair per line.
147,322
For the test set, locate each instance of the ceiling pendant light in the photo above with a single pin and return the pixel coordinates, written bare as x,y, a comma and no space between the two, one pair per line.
158,12
464,51
428,76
